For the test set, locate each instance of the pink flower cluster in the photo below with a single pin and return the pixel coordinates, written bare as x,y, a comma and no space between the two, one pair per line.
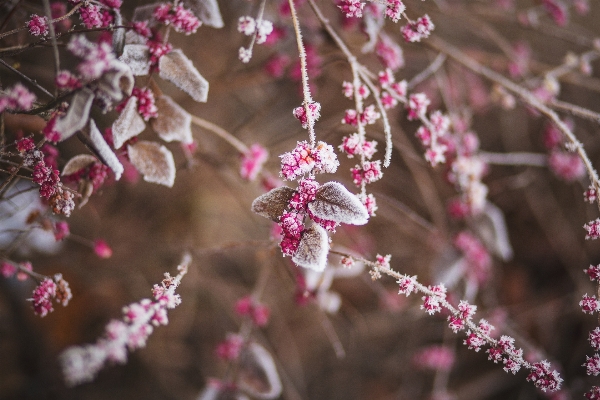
146,104
432,303
434,358
258,313
590,195
394,9
389,53
314,112
252,161
230,348
17,98
182,19
92,16
8,270
417,30
348,90
97,57
369,172
48,290
353,145
81,364
589,304
65,80
593,229
249,26
351,8
368,117
475,340
38,26
465,314
304,160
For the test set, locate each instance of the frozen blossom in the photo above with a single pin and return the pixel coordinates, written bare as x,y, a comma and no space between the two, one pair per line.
38,26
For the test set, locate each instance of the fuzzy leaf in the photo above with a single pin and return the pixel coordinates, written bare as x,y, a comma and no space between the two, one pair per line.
207,11
491,227
132,37
116,82
272,204
313,249
137,57
335,203
77,114
78,163
177,68
172,122
129,123
258,374
105,153
153,161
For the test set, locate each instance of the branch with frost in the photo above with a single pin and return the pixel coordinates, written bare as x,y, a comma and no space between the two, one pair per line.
81,364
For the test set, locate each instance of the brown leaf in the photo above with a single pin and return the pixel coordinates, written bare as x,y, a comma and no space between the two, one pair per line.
172,122
207,11
77,114
313,249
272,204
78,163
177,68
137,57
335,203
129,124
107,156
155,162
257,373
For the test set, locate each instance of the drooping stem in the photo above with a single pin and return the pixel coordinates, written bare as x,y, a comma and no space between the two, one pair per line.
220,132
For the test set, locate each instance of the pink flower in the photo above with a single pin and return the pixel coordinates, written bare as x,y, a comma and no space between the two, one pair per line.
594,338
61,230
66,81
420,29
593,272
593,229
38,26
230,349
297,162
589,304
567,166
26,144
314,110
394,9
417,105
407,285
351,8
157,50
434,358
24,266
102,249
42,297
7,270
91,16
389,53
544,378
370,203
593,394
252,161
590,195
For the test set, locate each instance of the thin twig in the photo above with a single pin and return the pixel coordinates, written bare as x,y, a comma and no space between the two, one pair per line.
220,132
517,158
53,39
28,79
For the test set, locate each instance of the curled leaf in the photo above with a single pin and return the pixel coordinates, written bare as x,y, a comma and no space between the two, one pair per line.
129,124
207,11
313,249
257,373
177,68
116,82
137,57
273,204
77,115
172,122
335,203
155,162
78,163
104,151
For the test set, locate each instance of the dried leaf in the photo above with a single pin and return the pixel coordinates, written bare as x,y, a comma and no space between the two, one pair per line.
335,203
77,114
129,123
313,249
78,163
177,68
153,161
86,189
105,153
172,122
137,56
116,82
273,204
207,11
491,228
257,373
132,37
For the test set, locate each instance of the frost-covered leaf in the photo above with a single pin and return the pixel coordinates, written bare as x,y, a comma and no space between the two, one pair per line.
104,151
137,56
177,68
491,228
272,204
77,115
146,13
132,37
129,124
207,11
172,122
313,249
257,374
78,163
335,203
155,162
116,82
118,36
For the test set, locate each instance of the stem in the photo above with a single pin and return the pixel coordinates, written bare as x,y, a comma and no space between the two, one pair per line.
28,79
67,15
53,39
517,158
304,71
220,132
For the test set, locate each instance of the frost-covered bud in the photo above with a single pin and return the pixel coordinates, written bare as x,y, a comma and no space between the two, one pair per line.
593,394
394,9
474,341
38,26
386,78
246,25
42,297
372,171
388,100
91,16
594,338
400,88
417,105
590,195
325,158
263,30
543,378
244,55
370,115
314,108
593,272
589,304
593,229
252,161
383,261
370,203
350,118
351,145
297,162
389,53
351,8
184,20
407,285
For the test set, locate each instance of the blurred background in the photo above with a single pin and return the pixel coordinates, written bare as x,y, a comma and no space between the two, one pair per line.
369,348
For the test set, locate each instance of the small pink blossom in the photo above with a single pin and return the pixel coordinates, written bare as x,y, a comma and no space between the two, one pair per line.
230,349
351,8
434,358
417,105
418,30
386,77
589,304
7,269
543,378
593,229
102,249
42,297
474,341
91,16
389,53
370,203
590,195
594,338
24,266
38,26
407,285
314,110
593,394
61,230
394,9
252,161
297,162
567,166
